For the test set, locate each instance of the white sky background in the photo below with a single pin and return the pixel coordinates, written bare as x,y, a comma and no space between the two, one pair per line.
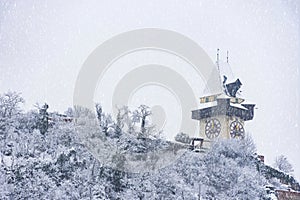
43,45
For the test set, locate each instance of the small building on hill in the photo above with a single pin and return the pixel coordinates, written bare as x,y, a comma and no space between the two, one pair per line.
287,195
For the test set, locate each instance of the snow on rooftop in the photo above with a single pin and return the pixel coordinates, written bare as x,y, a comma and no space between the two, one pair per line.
208,104
223,96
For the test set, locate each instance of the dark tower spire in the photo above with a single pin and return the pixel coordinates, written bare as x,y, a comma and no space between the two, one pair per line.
218,66
227,58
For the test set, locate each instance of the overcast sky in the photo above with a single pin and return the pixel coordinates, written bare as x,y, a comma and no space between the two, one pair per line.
44,44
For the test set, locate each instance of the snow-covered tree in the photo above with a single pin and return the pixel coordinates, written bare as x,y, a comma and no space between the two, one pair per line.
144,112
10,104
69,112
105,120
43,119
282,163
121,119
230,171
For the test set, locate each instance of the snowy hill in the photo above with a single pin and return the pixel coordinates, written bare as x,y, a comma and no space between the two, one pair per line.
42,160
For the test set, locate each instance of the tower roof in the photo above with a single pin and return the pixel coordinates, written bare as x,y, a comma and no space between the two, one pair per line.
225,107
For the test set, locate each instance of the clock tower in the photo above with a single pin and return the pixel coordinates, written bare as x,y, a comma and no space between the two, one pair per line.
223,115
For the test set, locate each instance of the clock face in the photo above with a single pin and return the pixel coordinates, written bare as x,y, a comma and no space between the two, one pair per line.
237,130
212,128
